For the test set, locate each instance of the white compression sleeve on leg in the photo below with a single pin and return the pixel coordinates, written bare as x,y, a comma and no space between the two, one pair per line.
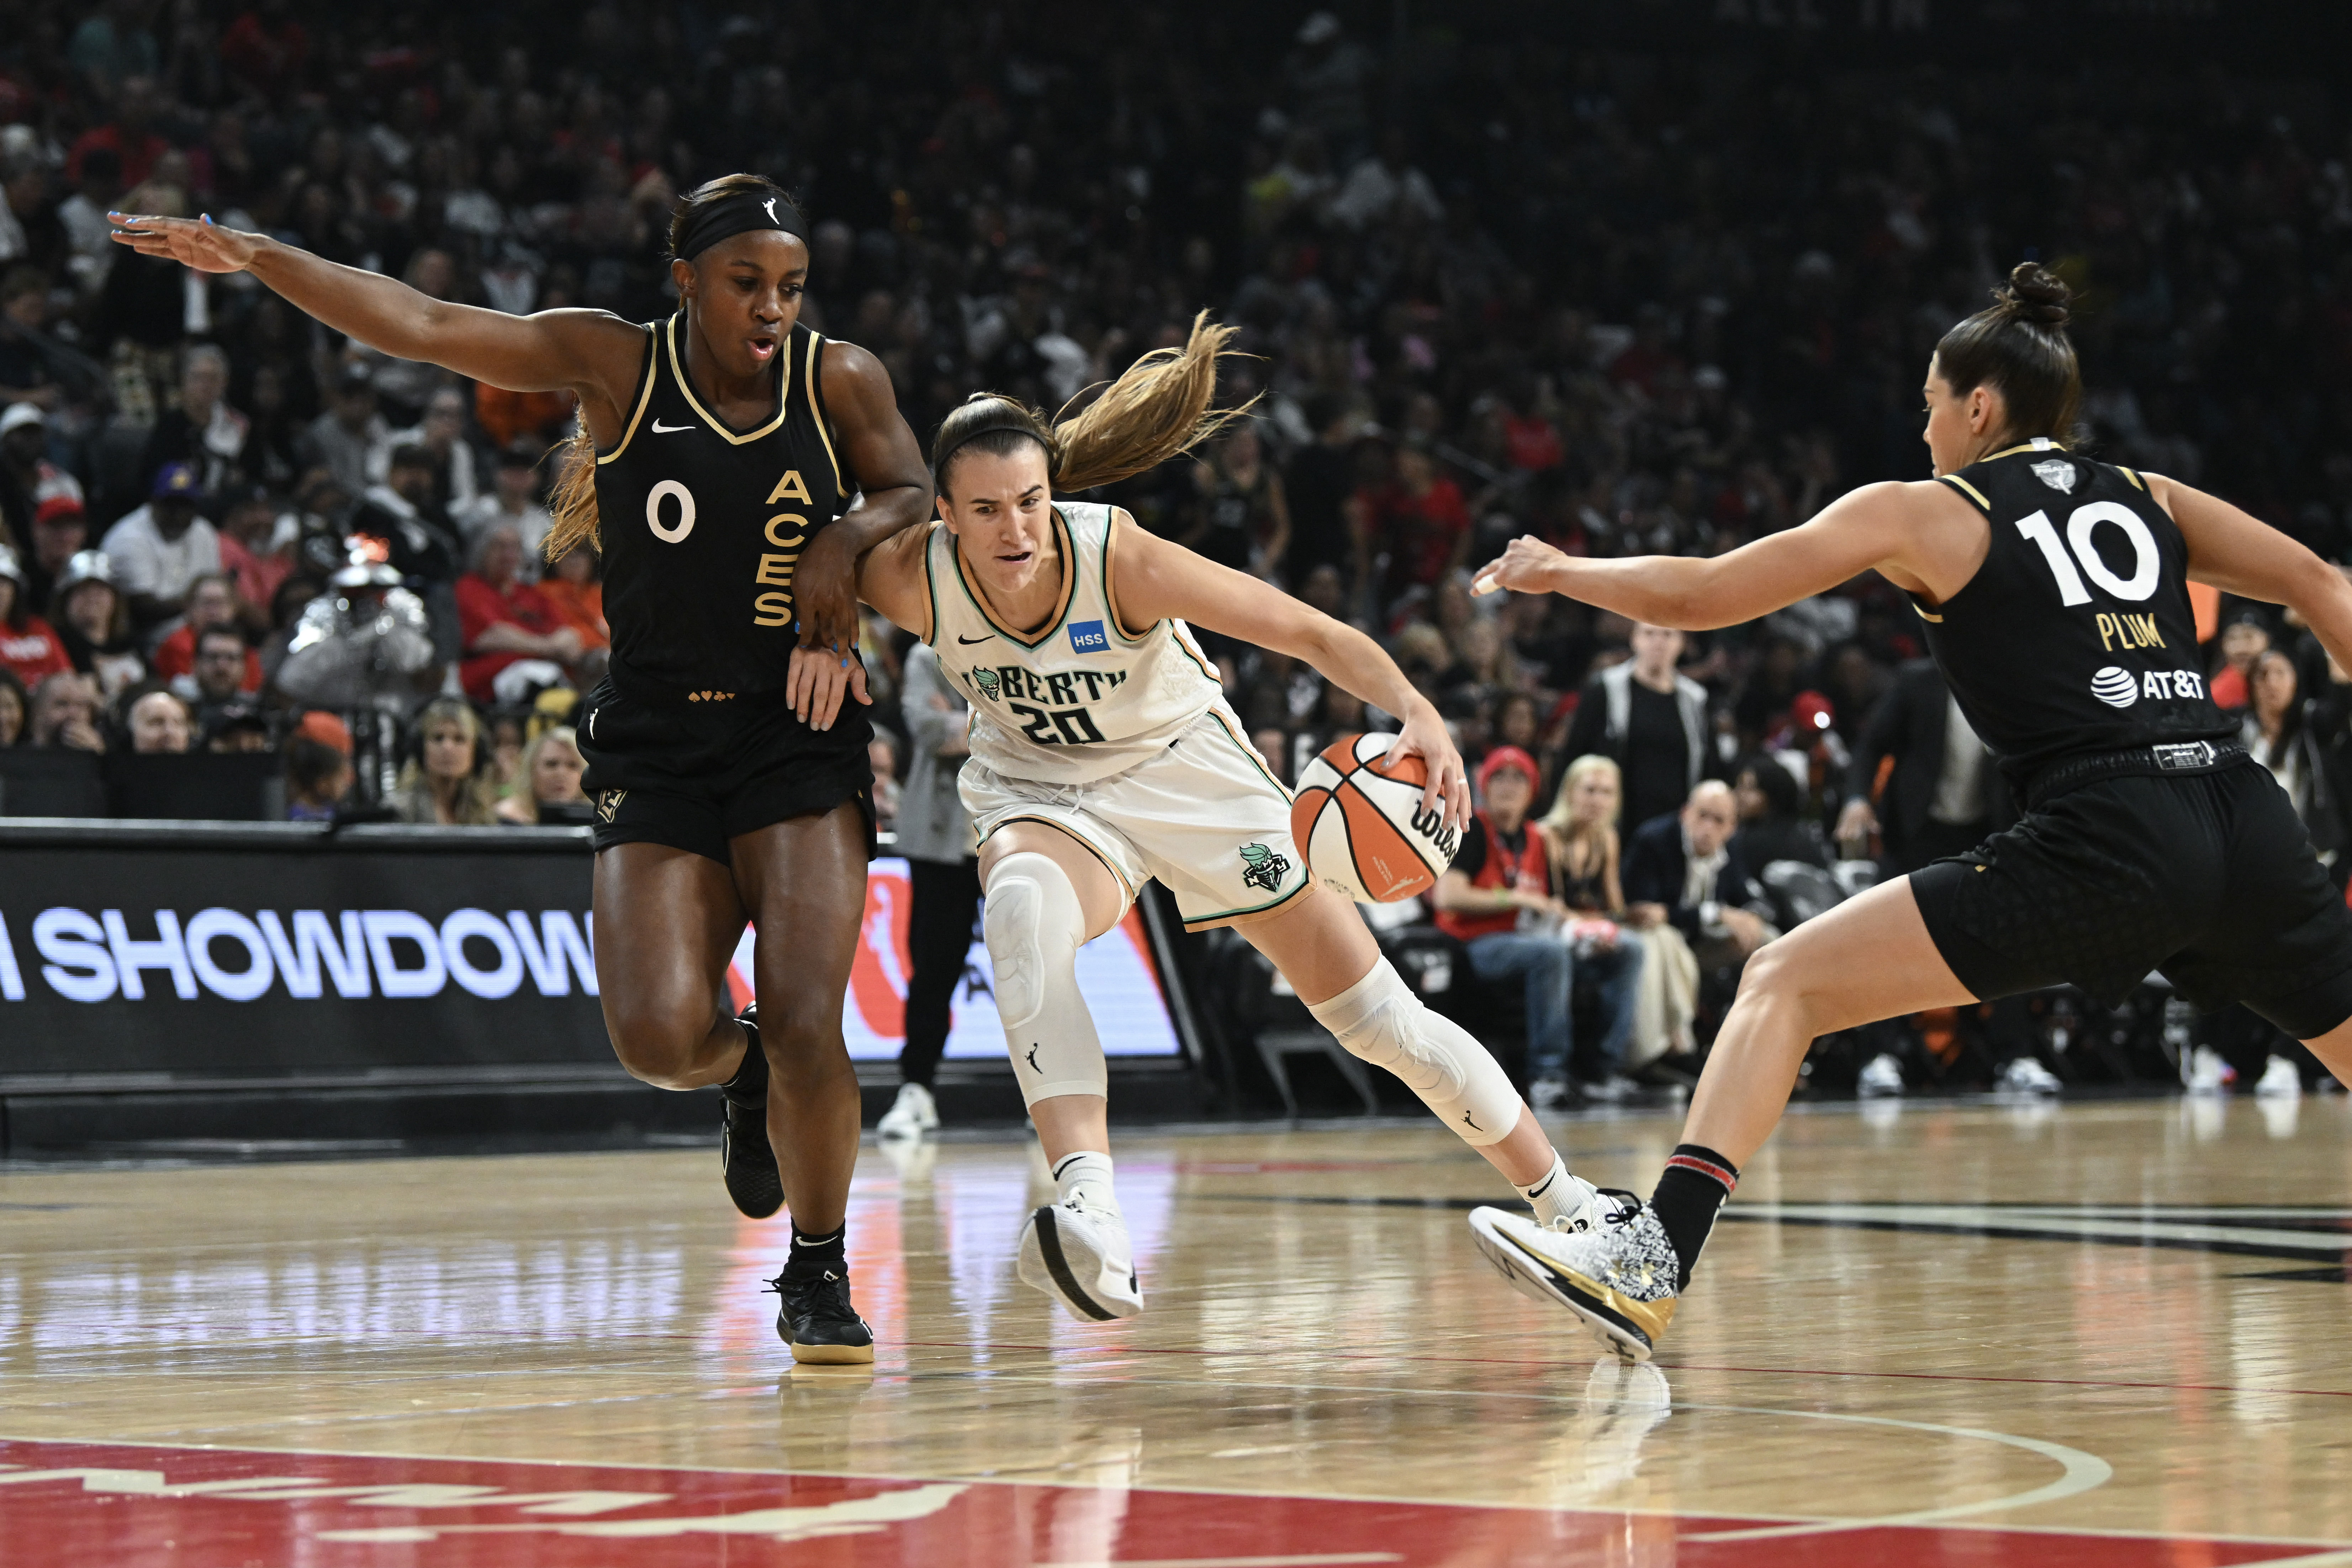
1379,1020
1034,928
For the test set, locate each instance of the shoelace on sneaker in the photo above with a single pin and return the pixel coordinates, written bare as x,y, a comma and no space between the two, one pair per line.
1624,1212
804,1295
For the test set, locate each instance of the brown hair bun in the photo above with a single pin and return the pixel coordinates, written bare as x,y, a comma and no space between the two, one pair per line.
2036,294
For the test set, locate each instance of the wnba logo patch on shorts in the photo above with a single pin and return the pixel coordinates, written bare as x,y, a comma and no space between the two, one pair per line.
1088,637
608,805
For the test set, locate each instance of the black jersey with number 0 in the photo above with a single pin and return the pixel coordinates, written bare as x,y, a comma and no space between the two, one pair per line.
2075,635
703,525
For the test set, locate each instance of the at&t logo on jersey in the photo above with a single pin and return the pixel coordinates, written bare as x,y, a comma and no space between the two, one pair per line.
2118,687
1088,637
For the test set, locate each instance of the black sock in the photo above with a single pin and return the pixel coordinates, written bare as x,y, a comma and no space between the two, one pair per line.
749,1084
1696,1183
813,1255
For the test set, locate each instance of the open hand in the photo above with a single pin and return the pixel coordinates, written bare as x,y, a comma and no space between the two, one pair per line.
197,243
815,681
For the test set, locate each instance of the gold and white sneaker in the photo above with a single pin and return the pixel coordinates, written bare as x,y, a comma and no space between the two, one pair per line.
1618,1278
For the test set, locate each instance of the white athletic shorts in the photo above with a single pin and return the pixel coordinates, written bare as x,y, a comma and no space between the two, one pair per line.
1204,817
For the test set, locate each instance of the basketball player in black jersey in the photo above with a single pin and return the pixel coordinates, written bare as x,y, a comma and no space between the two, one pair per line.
2053,592
719,451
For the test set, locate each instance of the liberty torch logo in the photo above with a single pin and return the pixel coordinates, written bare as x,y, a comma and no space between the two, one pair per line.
1261,867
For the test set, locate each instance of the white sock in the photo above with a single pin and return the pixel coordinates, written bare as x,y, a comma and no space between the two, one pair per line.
1084,1178
1555,1193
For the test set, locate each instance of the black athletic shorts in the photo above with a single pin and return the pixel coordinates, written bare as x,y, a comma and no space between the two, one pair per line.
2208,878
694,775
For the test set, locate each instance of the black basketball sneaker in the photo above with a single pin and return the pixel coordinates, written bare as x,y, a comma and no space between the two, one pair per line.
815,1319
744,1152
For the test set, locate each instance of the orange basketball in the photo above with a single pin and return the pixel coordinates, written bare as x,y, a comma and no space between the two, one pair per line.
1359,820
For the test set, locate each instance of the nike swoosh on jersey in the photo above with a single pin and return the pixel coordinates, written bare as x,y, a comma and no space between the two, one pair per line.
968,641
661,429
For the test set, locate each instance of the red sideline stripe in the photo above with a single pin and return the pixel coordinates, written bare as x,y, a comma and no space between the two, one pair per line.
1705,1168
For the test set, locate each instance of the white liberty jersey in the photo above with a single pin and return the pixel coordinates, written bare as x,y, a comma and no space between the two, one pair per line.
1080,699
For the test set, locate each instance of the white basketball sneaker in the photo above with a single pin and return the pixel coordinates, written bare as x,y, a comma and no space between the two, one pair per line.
2278,1081
1881,1076
2024,1075
1079,1256
910,1115
1618,1278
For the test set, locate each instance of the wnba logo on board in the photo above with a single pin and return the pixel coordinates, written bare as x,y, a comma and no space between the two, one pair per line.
240,957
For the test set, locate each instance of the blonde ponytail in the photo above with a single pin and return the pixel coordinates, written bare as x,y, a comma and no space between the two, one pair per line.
1158,408
573,499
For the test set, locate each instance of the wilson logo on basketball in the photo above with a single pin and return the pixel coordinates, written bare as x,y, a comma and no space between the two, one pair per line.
1359,820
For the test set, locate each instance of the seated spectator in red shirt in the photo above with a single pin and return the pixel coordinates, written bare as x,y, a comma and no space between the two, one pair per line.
28,646
513,638
212,606
256,553
129,135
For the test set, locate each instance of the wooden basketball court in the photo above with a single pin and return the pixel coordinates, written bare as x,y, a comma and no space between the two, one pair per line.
2107,1334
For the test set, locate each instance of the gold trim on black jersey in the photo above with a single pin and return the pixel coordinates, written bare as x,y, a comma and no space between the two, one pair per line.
718,426
645,397
1069,591
816,411
1969,490
2038,443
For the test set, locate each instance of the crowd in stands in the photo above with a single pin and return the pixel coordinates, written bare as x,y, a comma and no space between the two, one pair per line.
1487,284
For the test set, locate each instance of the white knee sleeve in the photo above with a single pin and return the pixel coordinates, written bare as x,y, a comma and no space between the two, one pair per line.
1379,1020
1034,928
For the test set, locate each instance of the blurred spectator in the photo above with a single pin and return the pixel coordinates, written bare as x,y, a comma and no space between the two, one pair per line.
447,778
161,549
256,547
514,501
318,778
60,532
30,648
440,439
160,722
882,756
15,707
233,726
1241,519
1772,821
92,619
211,605
1920,778
66,713
1580,833
507,732
1419,523
2245,637
550,770
514,640
574,586
23,438
349,433
1651,721
226,674
1685,869
1500,876
202,431
2285,733
405,515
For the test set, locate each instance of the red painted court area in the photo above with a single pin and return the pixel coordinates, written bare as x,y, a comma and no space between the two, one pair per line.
81,1505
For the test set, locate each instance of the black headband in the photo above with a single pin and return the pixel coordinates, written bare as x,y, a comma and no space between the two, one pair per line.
1007,417
739,214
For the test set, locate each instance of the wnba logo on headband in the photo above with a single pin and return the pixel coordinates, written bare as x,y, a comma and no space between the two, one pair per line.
759,206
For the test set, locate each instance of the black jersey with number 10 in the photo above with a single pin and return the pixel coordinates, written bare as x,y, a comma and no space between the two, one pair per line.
704,524
2075,635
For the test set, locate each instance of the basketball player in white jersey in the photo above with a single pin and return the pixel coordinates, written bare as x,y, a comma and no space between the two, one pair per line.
1103,754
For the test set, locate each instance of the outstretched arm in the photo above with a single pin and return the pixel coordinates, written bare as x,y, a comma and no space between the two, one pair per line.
591,353
1909,531
1156,580
2241,554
